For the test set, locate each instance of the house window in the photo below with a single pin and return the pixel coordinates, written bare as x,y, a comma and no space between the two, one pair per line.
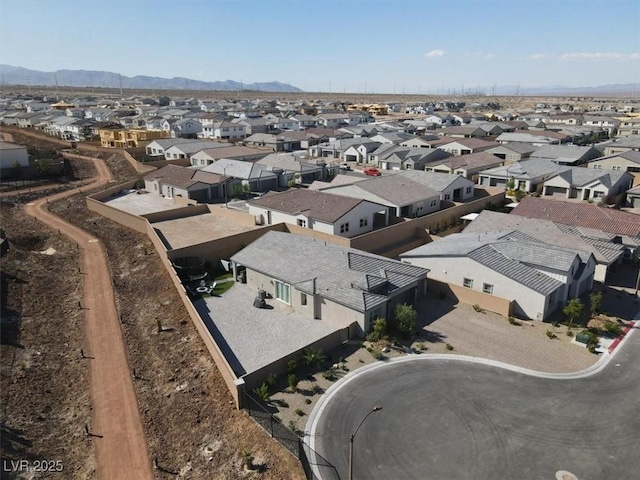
302,222
344,227
469,189
487,288
434,202
363,222
373,315
597,194
283,291
303,298
467,283
447,196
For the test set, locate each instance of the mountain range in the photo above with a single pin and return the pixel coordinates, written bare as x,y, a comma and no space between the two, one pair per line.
90,78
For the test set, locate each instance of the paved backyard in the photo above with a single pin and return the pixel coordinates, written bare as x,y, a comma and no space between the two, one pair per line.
140,204
183,232
252,338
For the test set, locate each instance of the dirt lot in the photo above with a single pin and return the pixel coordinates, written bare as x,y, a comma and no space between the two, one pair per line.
190,423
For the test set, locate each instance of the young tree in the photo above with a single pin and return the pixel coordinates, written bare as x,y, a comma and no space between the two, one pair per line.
405,318
379,331
313,357
595,300
573,310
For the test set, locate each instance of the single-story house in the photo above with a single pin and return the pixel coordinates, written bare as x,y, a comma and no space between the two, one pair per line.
453,188
607,253
571,155
512,151
621,145
207,156
327,281
467,131
537,277
537,138
405,158
175,181
406,198
527,174
587,184
323,212
465,146
466,165
255,177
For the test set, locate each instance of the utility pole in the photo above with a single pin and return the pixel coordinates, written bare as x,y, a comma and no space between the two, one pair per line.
55,75
120,80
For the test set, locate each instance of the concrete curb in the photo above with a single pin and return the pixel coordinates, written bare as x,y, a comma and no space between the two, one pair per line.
314,417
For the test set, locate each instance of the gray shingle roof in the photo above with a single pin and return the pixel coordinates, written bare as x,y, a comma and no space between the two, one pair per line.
392,189
312,203
527,169
352,278
240,169
508,253
433,180
579,177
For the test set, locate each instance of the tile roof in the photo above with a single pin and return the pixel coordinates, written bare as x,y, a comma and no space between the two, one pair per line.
183,177
548,232
226,151
563,153
311,203
508,253
394,189
240,169
579,177
355,279
288,161
580,215
472,160
434,180
527,169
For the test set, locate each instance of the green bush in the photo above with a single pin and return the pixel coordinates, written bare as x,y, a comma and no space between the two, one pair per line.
448,346
329,375
291,366
551,335
405,318
313,357
299,412
613,328
262,392
379,331
478,308
307,401
292,380
377,354
595,300
271,380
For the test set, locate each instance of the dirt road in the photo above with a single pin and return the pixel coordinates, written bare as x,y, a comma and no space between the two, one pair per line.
117,432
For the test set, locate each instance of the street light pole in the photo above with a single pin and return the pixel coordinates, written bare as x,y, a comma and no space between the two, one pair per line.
353,436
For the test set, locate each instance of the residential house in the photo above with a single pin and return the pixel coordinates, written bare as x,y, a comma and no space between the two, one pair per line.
391,137
333,120
587,184
157,148
254,126
469,166
305,121
127,138
329,282
609,124
420,141
224,129
620,162
323,212
513,151
405,197
186,149
527,174
360,151
405,158
207,156
633,197
537,277
184,128
453,188
607,254
175,181
467,131
571,155
245,175
536,138
629,126
465,146
290,168
621,145
620,227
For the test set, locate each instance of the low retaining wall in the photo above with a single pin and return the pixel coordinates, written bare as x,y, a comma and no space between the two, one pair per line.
498,305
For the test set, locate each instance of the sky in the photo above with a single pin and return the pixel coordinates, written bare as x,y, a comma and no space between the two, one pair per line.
412,46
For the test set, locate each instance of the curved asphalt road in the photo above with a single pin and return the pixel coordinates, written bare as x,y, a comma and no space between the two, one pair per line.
450,419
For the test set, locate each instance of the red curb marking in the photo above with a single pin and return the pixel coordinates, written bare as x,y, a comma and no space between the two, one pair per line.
626,330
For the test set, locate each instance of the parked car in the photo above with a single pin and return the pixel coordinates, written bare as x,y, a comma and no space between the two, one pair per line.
374,172
345,166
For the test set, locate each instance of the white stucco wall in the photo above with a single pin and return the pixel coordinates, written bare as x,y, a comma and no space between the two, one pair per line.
528,302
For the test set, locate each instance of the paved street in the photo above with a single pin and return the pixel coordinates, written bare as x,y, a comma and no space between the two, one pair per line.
449,419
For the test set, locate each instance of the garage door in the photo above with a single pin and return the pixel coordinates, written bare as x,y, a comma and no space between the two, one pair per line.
555,191
498,182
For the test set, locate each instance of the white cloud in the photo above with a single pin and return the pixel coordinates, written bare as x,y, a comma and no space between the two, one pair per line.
538,56
483,56
434,54
600,56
